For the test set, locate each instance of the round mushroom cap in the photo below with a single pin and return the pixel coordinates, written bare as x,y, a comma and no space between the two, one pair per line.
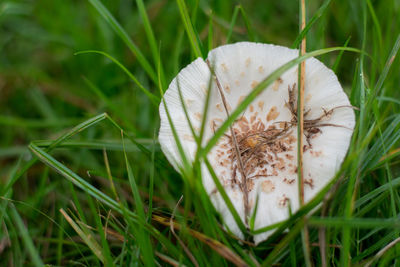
259,163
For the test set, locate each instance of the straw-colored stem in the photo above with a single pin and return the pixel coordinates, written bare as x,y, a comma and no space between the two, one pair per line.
300,113
243,184
300,136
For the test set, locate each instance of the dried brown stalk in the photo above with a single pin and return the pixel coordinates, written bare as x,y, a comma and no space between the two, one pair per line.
243,184
311,127
301,131
185,248
220,248
383,251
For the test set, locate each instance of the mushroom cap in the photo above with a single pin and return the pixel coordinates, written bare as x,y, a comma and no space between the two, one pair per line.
266,132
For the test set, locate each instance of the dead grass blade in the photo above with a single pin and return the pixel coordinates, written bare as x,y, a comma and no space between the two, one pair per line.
220,248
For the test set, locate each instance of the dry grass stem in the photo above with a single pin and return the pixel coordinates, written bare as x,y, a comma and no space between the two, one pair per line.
185,248
243,184
301,105
220,248
383,251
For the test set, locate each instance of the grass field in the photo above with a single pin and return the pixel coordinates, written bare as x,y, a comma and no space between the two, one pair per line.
83,180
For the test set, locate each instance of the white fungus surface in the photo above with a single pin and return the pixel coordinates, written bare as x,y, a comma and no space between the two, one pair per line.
266,132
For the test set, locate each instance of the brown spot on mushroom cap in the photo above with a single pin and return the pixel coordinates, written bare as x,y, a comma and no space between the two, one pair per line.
198,116
282,124
244,126
283,201
188,137
281,164
289,157
251,108
250,184
316,153
227,88
248,61
204,88
241,98
254,84
237,82
288,181
252,141
261,69
308,97
219,107
189,102
261,104
272,114
253,118
267,186
309,182
228,107
294,169
277,83
291,139
224,67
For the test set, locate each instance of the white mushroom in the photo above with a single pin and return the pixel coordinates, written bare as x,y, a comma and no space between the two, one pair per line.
266,133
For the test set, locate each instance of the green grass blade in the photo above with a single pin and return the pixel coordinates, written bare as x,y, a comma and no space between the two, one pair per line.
143,239
354,222
352,187
226,198
310,23
374,193
60,237
151,180
150,36
71,176
285,242
11,180
153,98
148,29
210,36
250,31
232,24
125,37
192,35
339,57
86,236
381,242
105,249
35,123
113,145
82,126
114,108
26,238
388,64
97,194
389,138
375,20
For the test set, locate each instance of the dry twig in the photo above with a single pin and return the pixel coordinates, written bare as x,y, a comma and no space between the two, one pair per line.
243,184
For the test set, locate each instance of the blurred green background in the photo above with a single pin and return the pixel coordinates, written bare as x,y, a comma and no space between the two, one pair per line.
46,89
